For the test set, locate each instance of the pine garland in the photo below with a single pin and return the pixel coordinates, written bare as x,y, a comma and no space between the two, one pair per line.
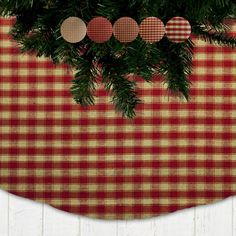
37,29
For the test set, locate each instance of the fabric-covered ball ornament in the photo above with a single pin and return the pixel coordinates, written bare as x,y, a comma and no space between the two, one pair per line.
99,29
126,29
73,30
152,29
178,29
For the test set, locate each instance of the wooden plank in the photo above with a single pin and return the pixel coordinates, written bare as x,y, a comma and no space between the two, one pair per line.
59,223
215,219
136,228
180,223
25,217
92,227
4,213
234,216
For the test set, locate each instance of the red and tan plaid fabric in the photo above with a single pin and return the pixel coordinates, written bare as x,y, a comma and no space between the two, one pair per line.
178,29
152,29
99,29
173,155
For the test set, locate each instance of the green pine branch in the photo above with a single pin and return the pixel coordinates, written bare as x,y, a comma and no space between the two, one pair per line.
122,91
84,84
219,38
124,95
177,66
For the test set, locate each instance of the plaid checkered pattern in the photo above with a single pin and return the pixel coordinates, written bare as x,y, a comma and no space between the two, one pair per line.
178,29
173,155
125,29
99,29
152,29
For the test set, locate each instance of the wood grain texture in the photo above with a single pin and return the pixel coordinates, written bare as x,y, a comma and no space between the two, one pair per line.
136,228
90,227
216,219
59,223
234,216
21,217
4,213
25,217
179,224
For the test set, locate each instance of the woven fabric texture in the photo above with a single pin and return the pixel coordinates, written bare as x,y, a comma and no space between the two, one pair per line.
152,29
92,162
125,29
99,29
178,29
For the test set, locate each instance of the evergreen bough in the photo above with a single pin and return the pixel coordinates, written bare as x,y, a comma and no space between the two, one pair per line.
37,29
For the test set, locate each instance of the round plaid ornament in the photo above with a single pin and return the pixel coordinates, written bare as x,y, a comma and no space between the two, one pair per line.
73,30
99,29
125,29
178,29
152,29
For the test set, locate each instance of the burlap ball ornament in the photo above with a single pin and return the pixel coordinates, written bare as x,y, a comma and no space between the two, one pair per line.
73,29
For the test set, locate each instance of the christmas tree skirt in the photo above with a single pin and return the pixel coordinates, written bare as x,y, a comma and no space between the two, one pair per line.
91,161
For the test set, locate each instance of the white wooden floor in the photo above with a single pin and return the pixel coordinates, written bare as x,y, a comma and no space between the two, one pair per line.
20,217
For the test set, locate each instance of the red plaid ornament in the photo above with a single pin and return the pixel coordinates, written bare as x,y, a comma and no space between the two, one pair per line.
178,29
99,29
152,29
126,29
